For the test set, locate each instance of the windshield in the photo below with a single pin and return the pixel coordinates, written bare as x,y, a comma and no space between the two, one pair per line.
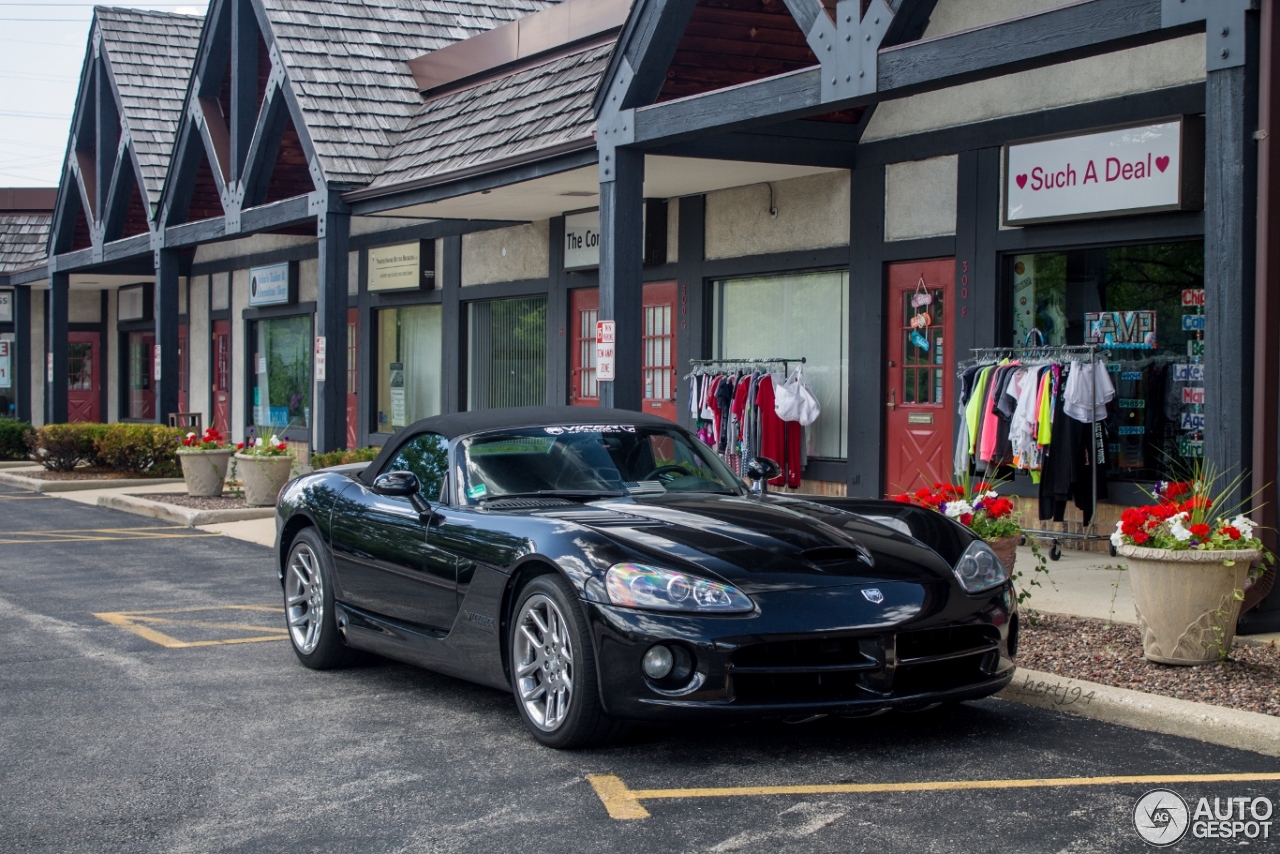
590,460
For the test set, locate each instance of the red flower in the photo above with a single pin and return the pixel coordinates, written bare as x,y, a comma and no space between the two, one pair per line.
1201,530
923,494
240,446
998,508
904,498
1231,531
1140,537
281,447
966,519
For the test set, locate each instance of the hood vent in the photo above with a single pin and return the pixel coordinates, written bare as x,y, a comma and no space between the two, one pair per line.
837,555
525,503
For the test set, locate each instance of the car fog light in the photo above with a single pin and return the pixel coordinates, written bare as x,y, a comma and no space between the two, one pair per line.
658,662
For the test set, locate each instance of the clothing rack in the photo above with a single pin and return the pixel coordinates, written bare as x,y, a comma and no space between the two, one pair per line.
706,363
1052,352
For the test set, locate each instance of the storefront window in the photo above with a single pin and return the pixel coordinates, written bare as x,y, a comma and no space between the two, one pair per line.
1146,305
794,315
282,375
508,353
409,354
8,378
142,393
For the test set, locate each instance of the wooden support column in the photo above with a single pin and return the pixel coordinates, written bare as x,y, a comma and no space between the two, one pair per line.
20,365
56,344
557,317
453,359
691,300
166,315
329,409
622,271
866,333
1230,226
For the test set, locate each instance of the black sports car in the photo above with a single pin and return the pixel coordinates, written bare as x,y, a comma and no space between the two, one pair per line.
606,566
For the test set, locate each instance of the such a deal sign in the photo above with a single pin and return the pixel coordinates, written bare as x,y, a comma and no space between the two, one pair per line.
1129,170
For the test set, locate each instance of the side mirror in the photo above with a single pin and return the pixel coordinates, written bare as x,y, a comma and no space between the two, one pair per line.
760,471
403,484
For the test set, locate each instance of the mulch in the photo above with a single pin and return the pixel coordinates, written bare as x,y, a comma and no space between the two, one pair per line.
181,499
1111,654
83,474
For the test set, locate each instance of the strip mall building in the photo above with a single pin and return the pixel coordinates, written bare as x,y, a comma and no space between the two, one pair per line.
329,218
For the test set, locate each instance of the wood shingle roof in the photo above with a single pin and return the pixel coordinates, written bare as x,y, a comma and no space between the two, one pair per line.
23,240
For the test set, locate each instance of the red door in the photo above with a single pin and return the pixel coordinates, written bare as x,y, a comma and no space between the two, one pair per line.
222,376
919,376
353,406
659,345
84,376
183,397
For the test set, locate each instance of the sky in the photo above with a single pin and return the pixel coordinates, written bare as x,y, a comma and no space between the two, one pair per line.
42,46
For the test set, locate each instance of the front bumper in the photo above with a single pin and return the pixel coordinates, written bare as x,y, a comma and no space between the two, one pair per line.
795,657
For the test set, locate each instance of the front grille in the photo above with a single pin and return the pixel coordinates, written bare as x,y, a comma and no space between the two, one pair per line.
853,667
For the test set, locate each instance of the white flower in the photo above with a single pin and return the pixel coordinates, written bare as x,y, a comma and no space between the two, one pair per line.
258,443
275,440
1244,526
191,435
957,508
1178,529
987,496
1117,536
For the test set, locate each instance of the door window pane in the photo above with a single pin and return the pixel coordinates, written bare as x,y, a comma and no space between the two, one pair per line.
427,456
508,353
282,371
142,393
801,314
409,357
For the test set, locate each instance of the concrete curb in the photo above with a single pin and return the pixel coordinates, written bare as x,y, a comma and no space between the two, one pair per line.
1213,724
188,516
46,486
16,464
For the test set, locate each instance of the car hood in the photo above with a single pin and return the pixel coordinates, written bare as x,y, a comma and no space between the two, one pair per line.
762,545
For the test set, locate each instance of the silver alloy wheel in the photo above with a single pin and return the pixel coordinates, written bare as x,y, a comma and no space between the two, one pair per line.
543,661
304,598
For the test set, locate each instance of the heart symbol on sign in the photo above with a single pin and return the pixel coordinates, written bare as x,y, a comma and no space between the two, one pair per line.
1022,182
1162,163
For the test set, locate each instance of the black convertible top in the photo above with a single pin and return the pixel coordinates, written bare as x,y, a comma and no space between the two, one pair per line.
465,423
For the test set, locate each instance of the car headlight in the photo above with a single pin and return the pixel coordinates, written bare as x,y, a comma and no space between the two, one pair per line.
635,585
979,568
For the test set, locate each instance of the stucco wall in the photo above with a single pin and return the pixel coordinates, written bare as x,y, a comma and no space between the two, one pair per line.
85,306
951,16
673,230
920,198
249,246
241,349
506,254
1156,66
37,357
374,224
308,279
199,336
813,213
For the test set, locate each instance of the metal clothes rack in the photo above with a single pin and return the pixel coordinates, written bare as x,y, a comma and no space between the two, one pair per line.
732,363
1048,352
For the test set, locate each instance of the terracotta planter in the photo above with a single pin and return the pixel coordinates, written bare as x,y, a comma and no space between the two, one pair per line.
1006,548
205,471
1186,600
262,477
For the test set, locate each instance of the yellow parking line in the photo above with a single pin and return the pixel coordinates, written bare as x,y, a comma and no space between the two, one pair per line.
623,803
136,622
34,537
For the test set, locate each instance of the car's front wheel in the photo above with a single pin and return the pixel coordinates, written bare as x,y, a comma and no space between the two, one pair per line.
553,669
308,605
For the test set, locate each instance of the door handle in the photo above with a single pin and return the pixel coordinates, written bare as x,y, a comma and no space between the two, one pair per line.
893,399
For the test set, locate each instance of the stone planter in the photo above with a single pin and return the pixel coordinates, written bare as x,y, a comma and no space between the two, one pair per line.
205,471
262,477
1006,548
1186,600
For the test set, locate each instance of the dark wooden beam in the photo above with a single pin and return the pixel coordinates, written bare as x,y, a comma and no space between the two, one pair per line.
263,148
195,233
866,328
329,409
754,147
183,166
622,273
107,143
166,320
57,347
244,85
276,215
138,246
645,50
119,193
217,142
78,260
452,386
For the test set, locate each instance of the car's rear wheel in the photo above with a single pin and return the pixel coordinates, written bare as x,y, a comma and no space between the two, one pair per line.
308,605
553,668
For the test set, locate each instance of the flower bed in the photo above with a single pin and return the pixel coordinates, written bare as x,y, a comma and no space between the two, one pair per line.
1111,654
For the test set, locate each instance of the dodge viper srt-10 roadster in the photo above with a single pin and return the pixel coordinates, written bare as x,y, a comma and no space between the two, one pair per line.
607,567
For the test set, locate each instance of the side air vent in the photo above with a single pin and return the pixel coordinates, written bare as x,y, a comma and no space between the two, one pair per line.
525,503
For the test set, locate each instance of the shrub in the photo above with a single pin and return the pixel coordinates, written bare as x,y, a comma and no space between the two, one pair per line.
13,439
342,458
145,449
62,447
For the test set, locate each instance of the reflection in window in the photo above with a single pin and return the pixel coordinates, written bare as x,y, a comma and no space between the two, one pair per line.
142,393
282,371
508,344
409,357
427,456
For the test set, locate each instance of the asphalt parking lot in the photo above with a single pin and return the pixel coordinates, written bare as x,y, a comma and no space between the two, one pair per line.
151,702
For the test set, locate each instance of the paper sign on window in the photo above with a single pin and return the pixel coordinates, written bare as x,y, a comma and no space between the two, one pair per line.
1135,330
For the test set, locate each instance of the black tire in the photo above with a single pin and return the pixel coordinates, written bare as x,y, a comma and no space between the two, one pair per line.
538,650
1055,552
308,605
